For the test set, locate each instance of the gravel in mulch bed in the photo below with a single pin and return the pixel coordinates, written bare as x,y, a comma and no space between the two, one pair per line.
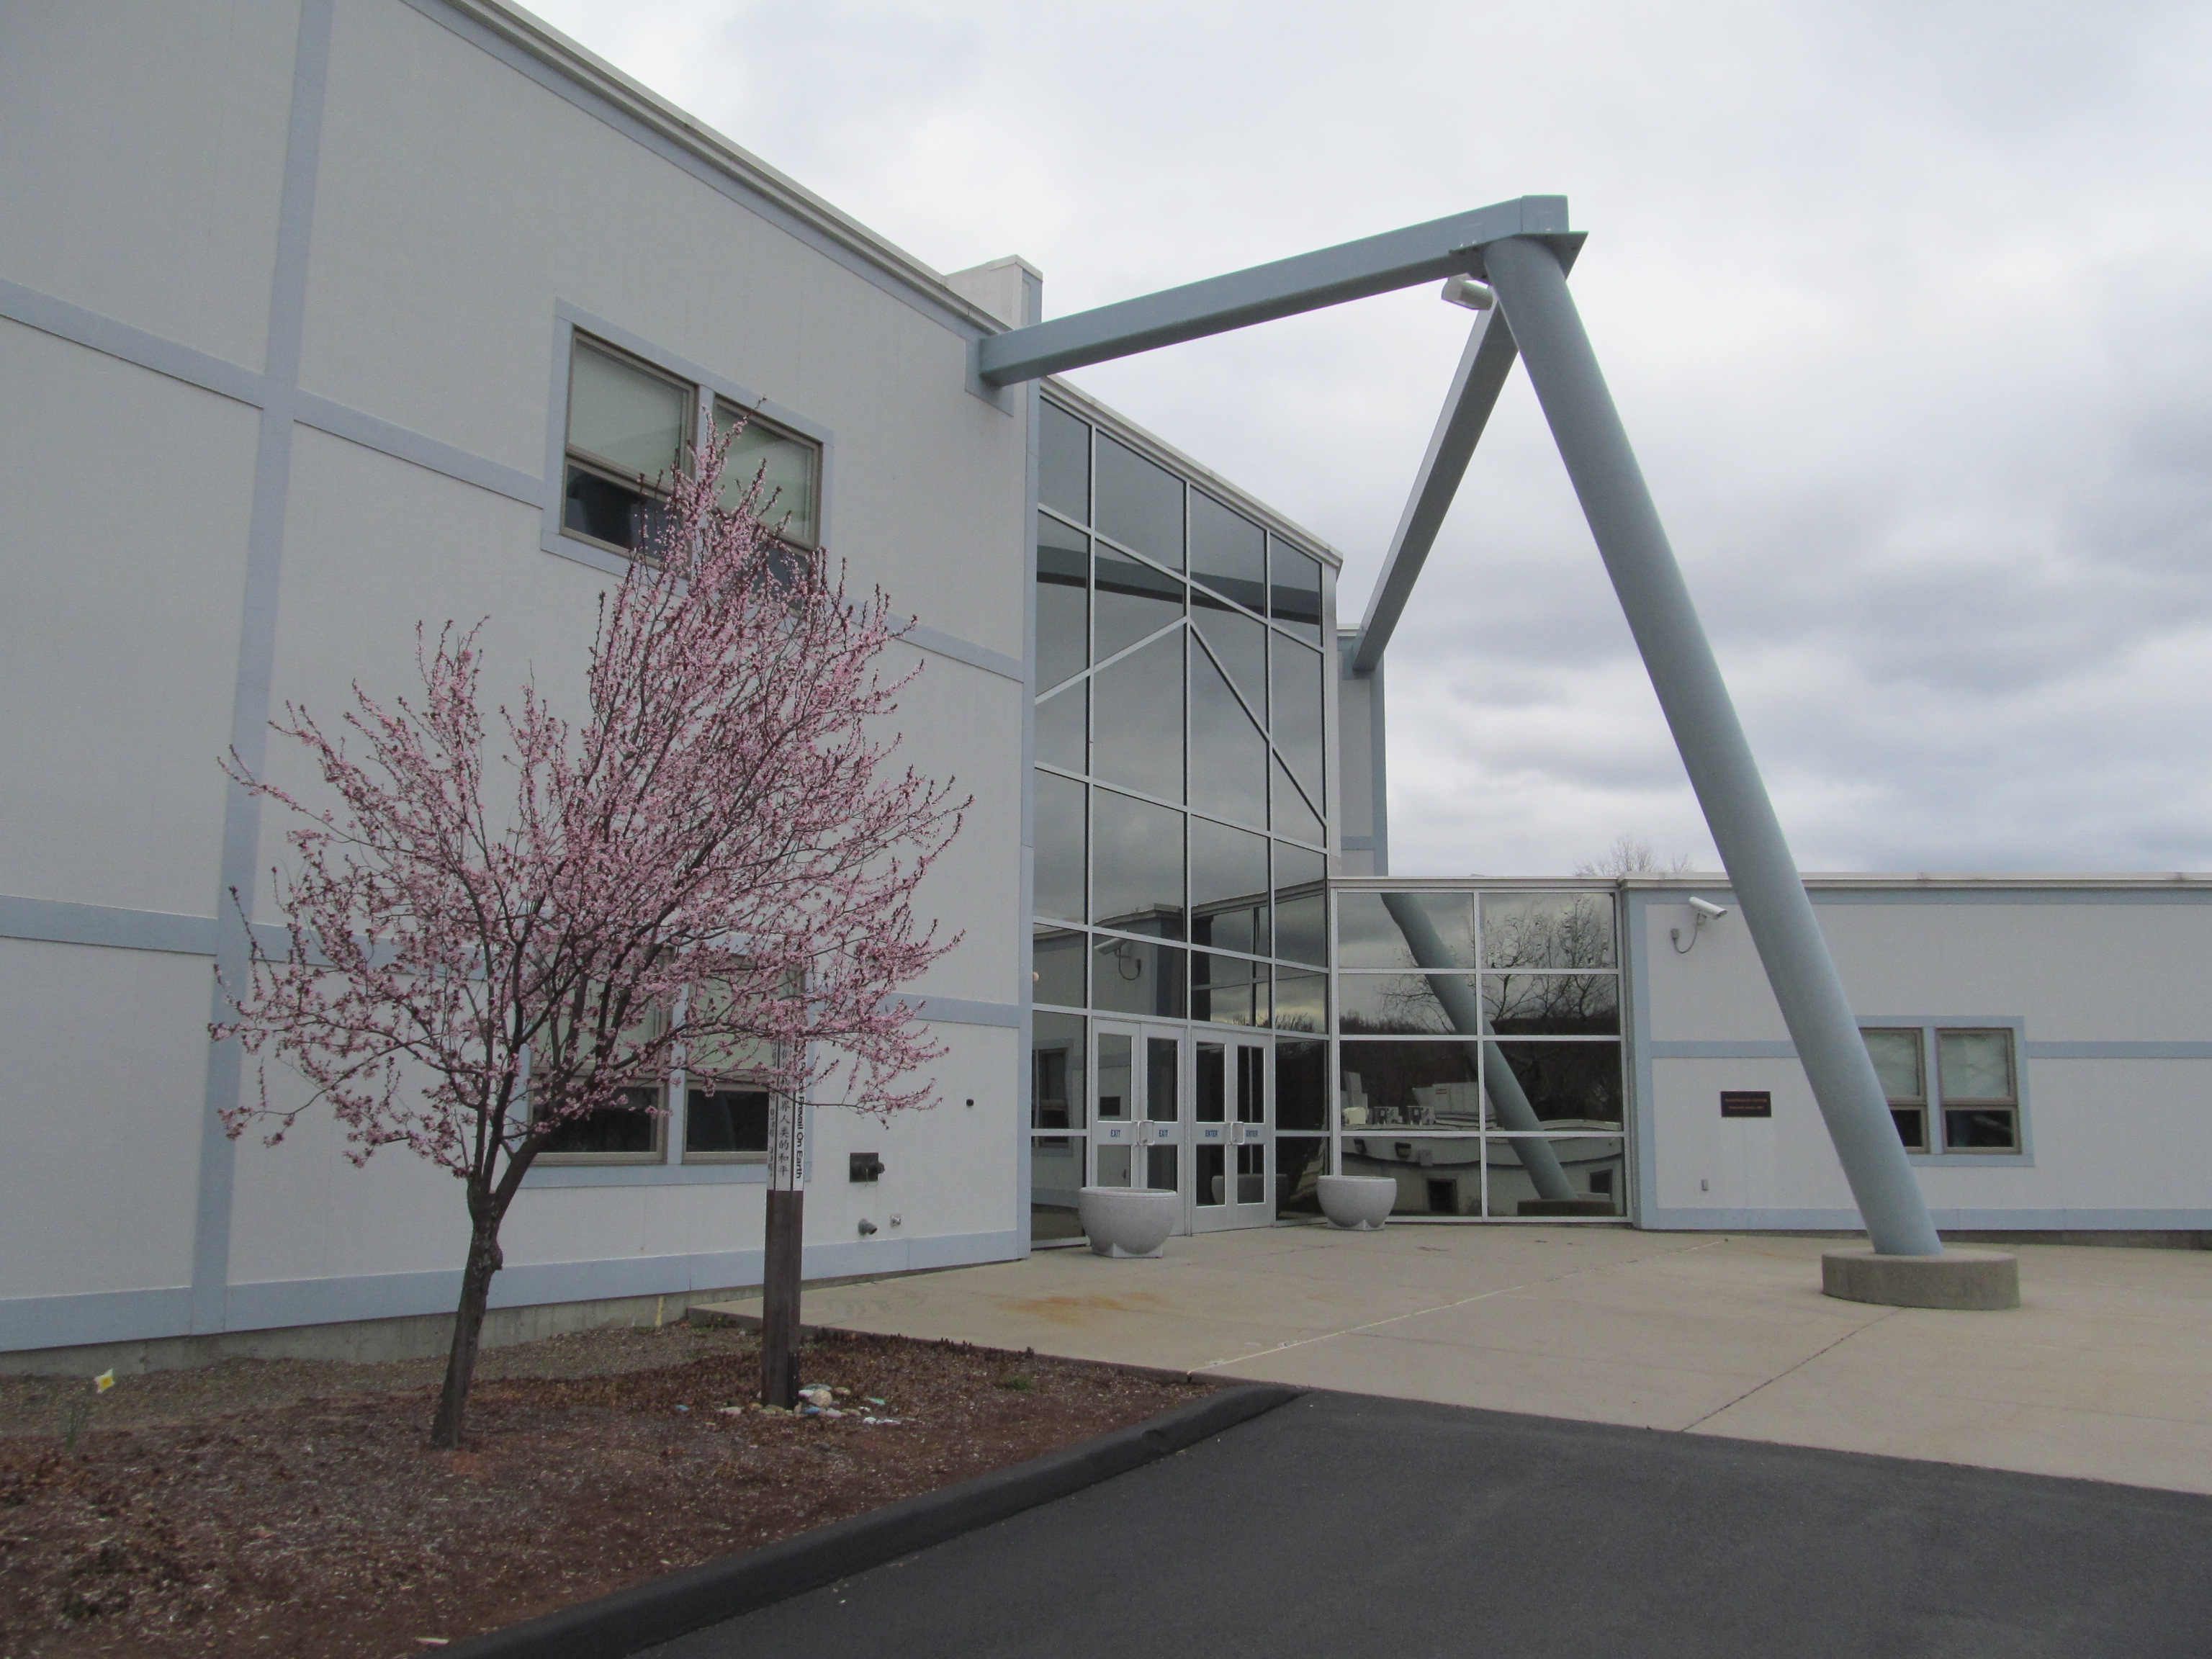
236,1511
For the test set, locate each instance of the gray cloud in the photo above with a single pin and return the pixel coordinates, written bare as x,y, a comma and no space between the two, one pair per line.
1908,307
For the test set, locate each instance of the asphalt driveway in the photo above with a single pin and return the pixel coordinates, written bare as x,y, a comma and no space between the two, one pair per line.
1345,1524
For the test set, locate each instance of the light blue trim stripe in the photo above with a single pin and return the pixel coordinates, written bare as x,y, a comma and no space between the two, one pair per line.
2116,1050
68,1321
2176,893
1952,1220
1723,1049
257,649
959,1010
429,453
55,1321
56,921
644,1175
119,340
1727,1049
926,638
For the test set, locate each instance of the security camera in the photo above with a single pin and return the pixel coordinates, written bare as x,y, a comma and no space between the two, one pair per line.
1702,911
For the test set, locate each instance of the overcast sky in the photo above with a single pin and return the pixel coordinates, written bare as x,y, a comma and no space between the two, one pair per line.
1908,308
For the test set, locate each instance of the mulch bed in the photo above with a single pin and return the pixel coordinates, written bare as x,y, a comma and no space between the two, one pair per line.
268,1523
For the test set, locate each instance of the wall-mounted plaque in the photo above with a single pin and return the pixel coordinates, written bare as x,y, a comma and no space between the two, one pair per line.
1747,1102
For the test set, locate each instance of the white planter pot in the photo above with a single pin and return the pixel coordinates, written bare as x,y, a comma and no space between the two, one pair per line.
1362,1202
1128,1221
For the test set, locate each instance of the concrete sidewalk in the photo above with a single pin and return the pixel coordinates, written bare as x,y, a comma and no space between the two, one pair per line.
1340,1526
2104,1372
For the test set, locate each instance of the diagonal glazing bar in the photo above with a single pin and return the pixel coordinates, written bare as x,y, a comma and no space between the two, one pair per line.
1483,368
1350,270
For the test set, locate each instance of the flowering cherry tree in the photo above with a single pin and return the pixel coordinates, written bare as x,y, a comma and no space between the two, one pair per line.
714,869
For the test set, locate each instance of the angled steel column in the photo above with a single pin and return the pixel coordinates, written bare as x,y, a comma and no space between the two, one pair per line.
1483,366
1533,290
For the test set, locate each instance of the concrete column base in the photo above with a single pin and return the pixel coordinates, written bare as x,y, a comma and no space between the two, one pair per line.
1961,1279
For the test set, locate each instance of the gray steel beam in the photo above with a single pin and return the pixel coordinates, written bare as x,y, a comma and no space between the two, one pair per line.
1350,270
1532,288
1483,368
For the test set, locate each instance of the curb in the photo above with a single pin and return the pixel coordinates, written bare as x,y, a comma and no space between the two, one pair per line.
615,1626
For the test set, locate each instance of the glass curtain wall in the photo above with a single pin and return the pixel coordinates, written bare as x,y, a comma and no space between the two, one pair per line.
1181,809
1479,1051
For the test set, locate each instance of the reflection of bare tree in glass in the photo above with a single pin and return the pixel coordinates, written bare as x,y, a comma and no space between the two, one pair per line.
1551,1005
1547,930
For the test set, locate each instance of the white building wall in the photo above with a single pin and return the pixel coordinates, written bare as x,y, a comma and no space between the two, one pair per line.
466,202
2107,977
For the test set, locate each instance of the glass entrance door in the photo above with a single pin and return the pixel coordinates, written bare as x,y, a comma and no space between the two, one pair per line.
1231,1131
1137,1114
1187,1113
1140,1115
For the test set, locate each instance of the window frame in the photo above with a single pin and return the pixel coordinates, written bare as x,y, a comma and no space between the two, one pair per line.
1935,1104
656,1155
742,1084
598,466
1918,1103
708,388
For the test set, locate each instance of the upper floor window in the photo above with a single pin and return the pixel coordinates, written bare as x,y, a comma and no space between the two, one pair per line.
632,425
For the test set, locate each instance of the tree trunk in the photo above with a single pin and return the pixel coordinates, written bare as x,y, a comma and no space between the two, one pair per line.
484,1261
780,1299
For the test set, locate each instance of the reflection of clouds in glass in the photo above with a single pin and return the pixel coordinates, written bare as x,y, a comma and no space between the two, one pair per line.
1135,600
1060,835
1137,720
1297,674
1228,552
1228,887
1137,865
1367,937
1301,904
1139,504
1062,725
1301,1002
1228,754
1382,1004
1063,602
1064,463
1240,645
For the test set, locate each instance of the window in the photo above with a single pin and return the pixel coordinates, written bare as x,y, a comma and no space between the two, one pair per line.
628,427
1976,1104
725,1125
1981,1102
630,1134
1897,1062
1479,1050
631,425
787,466
726,1099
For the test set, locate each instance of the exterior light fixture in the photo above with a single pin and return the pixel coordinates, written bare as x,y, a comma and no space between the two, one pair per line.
1466,291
